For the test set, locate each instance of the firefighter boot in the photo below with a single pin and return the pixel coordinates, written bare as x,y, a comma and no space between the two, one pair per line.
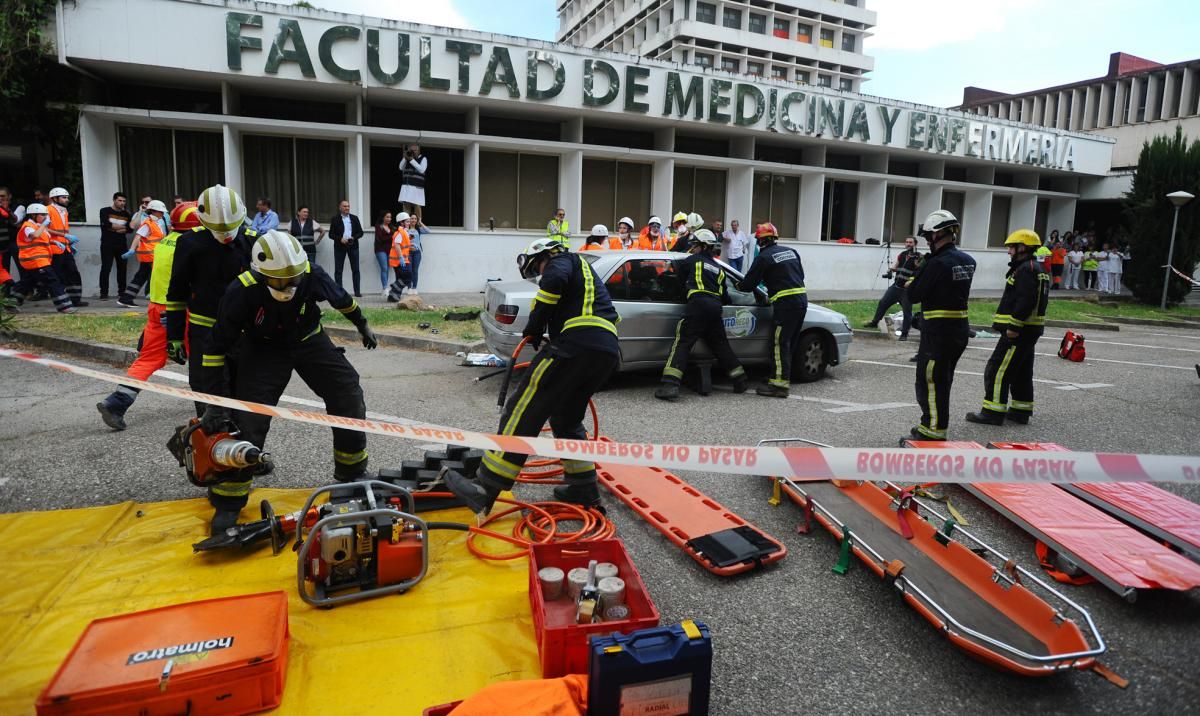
584,494
983,417
667,390
740,384
479,493
772,391
112,409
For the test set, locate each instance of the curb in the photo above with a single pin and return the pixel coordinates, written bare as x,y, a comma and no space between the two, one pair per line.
431,345
1088,326
868,334
1161,323
106,352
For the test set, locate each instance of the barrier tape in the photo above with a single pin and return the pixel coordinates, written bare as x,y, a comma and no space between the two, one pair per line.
1185,277
801,463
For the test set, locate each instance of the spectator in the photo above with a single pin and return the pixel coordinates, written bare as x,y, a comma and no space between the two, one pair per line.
597,240
559,228
412,180
114,229
39,197
1072,268
345,229
625,233
416,228
1058,260
398,258
11,218
176,200
266,219
733,245
1090,264
309,232
140,215
904,268
152,231
383,247
1102,269
652,237
1116,267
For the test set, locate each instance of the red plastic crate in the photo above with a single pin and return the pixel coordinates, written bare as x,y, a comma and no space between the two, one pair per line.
563,644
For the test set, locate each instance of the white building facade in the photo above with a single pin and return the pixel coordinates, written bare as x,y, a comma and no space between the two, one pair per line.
817,42
309,107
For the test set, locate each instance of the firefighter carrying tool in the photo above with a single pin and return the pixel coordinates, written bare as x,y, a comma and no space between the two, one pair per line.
781,270
274,305
1020,319
573,305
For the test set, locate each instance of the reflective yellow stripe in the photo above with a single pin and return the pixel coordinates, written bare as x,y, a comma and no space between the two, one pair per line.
493,461
349,309
575,467
349,458
1036,321
673,372
547,297
994,406
176,305
701,290
931,396
314,332
931,432
788,292
668,370
590,322
201,320
530,390
247,278
212,361
1021,405
231,489
945,314
778,380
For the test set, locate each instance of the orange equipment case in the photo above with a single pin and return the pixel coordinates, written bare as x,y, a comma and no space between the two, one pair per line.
219,656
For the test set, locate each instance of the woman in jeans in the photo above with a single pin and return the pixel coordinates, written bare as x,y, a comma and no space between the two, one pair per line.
383,245
416,229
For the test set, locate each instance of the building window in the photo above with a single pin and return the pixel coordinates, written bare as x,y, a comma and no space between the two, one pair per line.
754,68
443,185
839,216
704,59
781,28
165,162
848,42
900,209
758,23
779,73
1143,90
846,84
804,33
827,38
295,172
732,18
731,64
613,189
522,190
706,12
954,202
701,191
776,199
825,80
802,77
998,225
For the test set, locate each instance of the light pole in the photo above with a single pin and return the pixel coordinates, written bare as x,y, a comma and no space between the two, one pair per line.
1178,198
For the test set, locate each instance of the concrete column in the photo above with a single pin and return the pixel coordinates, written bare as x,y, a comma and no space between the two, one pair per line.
356,165
1187,95
232,141
471,184
1153,95
976,218
1060,121
739,191
1169,108
1136,89
812,204
570,184
1027,112
1106,96
1061,215
664,139
1023,212
662,188
1077,106
1038,115
1090,97
366,178
1120,92
872,200
572,130
741,147
229,99
472,120
929,200
101,163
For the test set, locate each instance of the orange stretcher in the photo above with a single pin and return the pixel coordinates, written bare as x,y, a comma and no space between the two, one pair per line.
1093,543
983,602
1163,515
703,528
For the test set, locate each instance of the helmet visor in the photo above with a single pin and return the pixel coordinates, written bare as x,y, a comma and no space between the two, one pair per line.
283,284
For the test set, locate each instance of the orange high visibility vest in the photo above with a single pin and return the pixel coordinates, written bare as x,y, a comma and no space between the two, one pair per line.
32,253
146,244
646,243
614,243
401,244
60,220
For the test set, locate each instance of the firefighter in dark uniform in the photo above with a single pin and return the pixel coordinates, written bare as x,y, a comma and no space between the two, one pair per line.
704,281
942,287
274,305
781,271
573,306
1020,319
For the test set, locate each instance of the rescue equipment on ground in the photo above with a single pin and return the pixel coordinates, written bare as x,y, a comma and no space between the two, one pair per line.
211,459
662,670
981,600
1072,347
226,656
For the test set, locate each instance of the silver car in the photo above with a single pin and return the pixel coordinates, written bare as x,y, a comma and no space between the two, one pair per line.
649,297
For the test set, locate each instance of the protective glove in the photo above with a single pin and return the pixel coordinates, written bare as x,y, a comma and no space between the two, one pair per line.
369,340
215,419
162,319
73,239
127,255
60,245
177,352
46,221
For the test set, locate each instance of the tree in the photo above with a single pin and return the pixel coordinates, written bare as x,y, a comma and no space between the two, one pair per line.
1166,164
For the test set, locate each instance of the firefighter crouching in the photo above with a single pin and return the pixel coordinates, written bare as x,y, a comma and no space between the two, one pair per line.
781,271
573,305
274,305
1020,319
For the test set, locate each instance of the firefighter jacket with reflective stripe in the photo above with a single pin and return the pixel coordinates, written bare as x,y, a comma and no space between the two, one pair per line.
702,275
1023,305
942,286
248,309
779,269
33,251
573,306
200,272
146,244
160,278
60,220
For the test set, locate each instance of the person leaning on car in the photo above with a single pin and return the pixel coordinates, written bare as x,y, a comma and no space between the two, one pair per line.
779,268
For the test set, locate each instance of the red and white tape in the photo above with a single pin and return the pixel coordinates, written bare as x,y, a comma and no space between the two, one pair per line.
1185,277
802,463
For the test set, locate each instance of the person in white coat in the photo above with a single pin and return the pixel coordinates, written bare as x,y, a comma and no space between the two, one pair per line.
1116,267
1102,269
1073,268
412,180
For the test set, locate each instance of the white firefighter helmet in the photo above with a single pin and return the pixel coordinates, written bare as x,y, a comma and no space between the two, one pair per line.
626,221
57,192
654,220
527,261
280,259
36,209
157,205
694,221
937,221
703,237
599,230
222,212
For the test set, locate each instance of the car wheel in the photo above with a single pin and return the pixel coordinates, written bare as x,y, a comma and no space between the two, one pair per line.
808,360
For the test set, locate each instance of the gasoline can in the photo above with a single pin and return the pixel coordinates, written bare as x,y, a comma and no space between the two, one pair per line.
660,671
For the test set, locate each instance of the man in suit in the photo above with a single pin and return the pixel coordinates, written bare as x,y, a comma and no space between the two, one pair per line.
345,229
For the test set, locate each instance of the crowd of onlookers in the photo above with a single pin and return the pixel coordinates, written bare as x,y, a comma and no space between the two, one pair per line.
1077,260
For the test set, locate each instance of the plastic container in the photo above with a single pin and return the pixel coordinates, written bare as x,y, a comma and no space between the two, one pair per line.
665,671
563,644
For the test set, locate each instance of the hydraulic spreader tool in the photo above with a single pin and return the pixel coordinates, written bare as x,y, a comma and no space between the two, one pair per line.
212,459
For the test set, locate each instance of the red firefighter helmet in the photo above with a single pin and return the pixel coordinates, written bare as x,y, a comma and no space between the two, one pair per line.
185,216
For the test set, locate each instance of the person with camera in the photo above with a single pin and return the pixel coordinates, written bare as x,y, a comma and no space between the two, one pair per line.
412,180
903,269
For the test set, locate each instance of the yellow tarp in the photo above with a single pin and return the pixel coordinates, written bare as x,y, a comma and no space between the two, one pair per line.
466,625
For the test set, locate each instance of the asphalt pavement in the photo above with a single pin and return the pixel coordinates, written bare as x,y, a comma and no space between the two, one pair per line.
793,638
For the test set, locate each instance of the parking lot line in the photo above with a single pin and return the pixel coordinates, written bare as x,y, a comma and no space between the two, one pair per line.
1098,360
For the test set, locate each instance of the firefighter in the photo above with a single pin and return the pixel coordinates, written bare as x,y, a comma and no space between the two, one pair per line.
151,231
942,286
153,352
62,245
573,306
34,257
704,281
274,305
781,270
1020,319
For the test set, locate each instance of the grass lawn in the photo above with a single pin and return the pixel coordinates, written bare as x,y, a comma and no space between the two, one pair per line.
124,328
1060,309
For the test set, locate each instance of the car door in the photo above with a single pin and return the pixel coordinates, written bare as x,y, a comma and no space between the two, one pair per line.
649,297
748,322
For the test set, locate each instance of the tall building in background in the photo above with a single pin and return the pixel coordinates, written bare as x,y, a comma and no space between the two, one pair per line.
805,41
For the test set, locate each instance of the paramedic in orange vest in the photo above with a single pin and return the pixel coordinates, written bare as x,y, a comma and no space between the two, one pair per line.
153,352
652,238
599,240
625,235
149,233
62,253
33,254
400,259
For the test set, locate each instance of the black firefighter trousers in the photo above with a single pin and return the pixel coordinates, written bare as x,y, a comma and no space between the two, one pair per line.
701,319
1010,371
788,313
556,387
936,360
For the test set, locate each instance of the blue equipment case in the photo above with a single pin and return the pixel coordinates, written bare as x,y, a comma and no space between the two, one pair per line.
662,671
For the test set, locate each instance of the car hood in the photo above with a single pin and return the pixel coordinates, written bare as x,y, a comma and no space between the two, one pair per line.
818,312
